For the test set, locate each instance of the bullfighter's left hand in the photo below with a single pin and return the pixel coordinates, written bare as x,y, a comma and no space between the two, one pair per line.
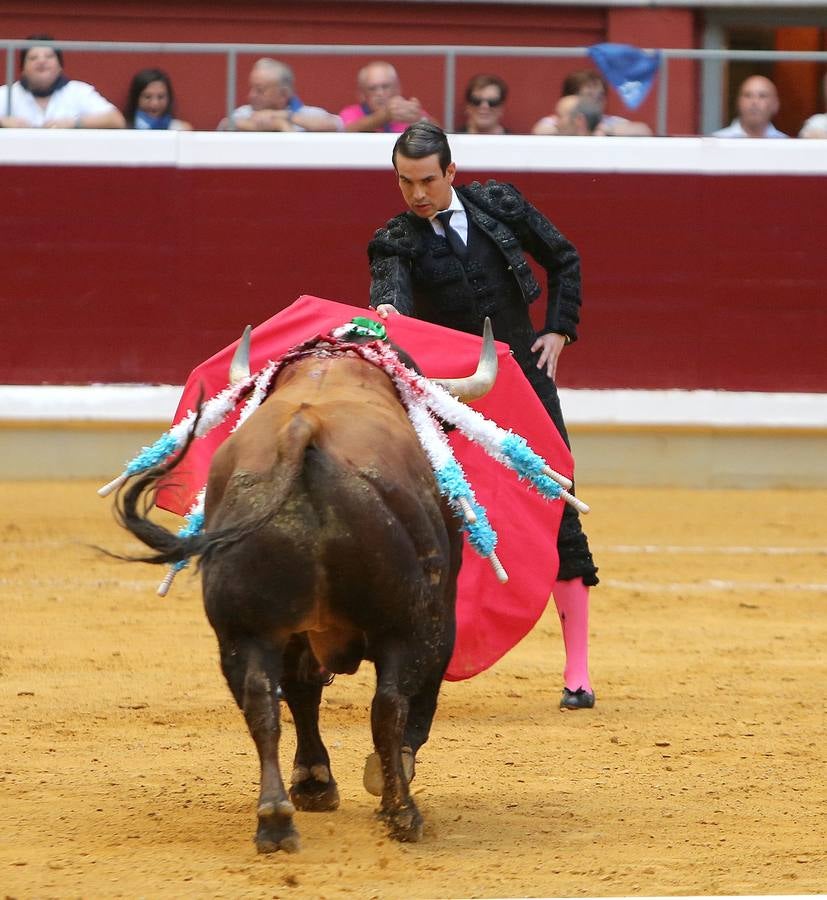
549,347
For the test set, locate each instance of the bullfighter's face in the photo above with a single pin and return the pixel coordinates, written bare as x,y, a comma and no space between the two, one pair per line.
425,187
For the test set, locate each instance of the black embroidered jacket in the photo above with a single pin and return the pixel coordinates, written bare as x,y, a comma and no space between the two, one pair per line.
410,267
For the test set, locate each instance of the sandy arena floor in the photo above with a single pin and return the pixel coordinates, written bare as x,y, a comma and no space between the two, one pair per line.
127,771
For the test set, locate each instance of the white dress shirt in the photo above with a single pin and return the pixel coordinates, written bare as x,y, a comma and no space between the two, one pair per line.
459,219
736,130
75,99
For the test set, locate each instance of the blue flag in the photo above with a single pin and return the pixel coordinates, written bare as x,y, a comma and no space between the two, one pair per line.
629,70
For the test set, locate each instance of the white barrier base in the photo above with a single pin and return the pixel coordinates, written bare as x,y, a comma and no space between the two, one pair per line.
140,403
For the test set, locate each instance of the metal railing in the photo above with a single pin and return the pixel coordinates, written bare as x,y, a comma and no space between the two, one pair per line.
710,58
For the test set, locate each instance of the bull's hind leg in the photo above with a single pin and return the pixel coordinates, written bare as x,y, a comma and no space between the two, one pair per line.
421,711
389,712
313,788
253,670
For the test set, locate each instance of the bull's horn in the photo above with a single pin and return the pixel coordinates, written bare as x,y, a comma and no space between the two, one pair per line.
240,366
480,383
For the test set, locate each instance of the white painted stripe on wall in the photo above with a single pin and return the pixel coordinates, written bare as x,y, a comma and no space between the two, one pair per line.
89,403
490,153
674,407
715,409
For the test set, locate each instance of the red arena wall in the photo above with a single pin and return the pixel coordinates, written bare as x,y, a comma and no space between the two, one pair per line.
135,273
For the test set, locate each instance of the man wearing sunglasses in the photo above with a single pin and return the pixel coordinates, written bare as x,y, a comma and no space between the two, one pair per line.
485,97
458,256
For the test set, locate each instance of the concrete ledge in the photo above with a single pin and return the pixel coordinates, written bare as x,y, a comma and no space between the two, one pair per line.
699,458
699,439
71,450
663,457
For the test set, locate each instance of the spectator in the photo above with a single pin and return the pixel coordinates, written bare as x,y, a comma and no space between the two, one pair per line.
577,116
588,84
816,126
485,97
381,106
757,104
45,98
150,104
274,107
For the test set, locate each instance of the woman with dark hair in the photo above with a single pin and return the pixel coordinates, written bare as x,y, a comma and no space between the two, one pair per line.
150,104
45,98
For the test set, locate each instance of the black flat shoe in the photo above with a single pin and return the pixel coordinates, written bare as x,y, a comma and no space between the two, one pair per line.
579,699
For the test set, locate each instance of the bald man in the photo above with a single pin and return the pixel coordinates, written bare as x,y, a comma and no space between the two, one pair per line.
381,106
578,116
757,104
589,85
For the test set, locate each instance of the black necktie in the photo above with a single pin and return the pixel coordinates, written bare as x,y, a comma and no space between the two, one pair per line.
455,242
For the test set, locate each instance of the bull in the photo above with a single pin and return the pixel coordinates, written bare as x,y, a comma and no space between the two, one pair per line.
326,542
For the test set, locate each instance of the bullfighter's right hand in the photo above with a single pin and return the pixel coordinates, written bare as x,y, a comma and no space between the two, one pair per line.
386,309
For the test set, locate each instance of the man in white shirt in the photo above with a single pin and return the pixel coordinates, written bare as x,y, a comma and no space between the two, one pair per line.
274,107
757,104
45,98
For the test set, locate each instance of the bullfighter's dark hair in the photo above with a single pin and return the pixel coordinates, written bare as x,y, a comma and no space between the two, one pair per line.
420,140
40,37
140,81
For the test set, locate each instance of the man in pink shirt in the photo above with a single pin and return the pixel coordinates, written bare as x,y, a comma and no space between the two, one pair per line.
381,107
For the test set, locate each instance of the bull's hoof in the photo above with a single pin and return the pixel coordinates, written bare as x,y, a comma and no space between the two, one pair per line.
404,825
275,828
374,781
314,790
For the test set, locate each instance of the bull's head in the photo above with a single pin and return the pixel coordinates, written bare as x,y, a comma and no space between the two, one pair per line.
472,387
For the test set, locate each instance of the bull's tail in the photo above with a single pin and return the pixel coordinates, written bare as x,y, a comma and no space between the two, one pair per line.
135,499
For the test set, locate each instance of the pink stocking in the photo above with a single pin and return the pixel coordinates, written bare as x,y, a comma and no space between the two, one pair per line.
572,601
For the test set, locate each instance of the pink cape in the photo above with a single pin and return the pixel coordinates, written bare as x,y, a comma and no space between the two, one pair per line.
491,617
